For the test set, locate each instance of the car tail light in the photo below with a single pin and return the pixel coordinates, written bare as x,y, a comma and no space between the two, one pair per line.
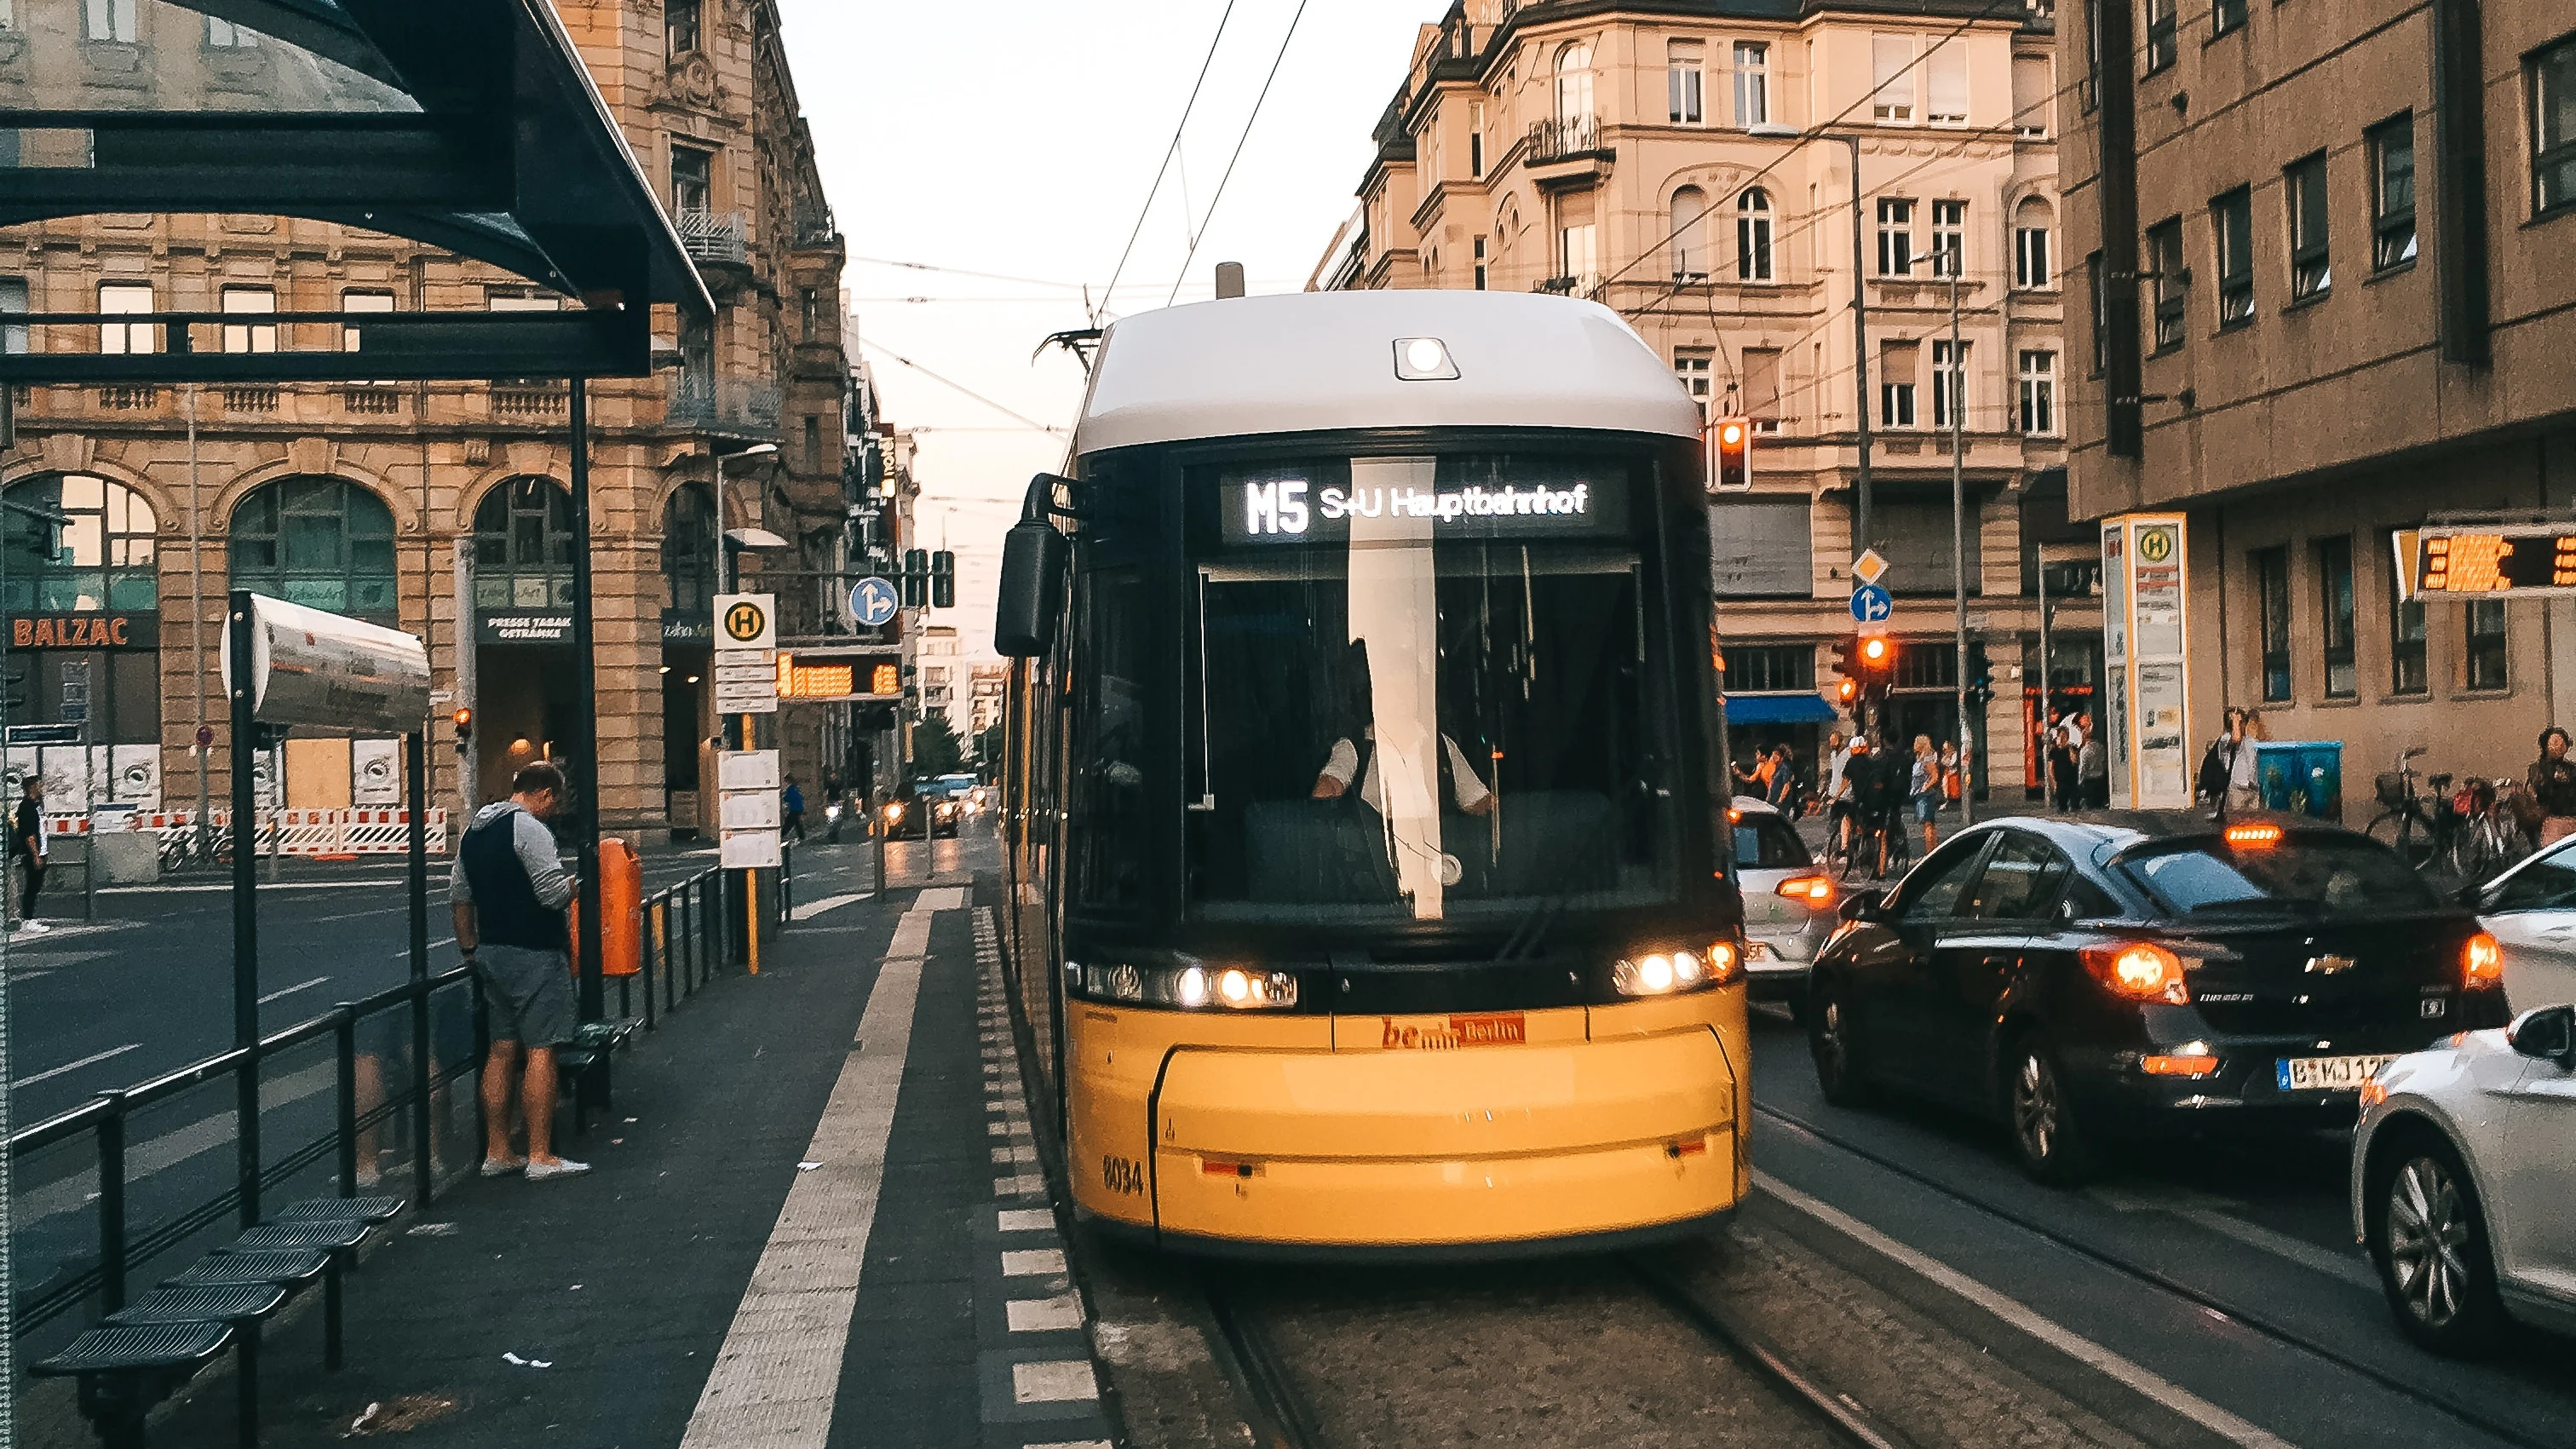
2139,970
2481,962
1813,890
2192,1060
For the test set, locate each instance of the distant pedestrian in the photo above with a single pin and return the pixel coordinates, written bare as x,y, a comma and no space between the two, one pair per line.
27,845
1923,789
791,805
2552,780
2092,765
508,896
1953,778
2063,744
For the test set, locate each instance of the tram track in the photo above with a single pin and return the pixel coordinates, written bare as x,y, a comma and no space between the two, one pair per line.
2253,1320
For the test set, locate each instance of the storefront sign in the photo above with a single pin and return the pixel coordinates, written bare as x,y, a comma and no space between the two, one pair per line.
687,626
84,631
2145,632
526,626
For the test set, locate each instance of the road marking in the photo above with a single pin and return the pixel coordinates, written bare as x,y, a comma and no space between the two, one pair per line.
775,1380
89,1061
78,1191
291,990
2346,1266
355,915
811,909
1053,1381
434,945
2074,1345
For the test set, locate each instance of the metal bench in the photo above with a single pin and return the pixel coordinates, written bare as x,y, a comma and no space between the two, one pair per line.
244,1308
340,1209
125,1369
582,1064
338,1239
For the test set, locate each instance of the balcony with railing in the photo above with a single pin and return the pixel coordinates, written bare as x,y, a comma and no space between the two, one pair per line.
724,406
1567,151
714,237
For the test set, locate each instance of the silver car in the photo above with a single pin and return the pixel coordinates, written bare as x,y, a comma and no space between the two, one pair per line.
1790,903
2463,1175
2531,911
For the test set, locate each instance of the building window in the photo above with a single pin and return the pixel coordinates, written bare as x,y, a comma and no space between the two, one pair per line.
1896,371
2224,16
2031,263
1949,381
1684,78
2486,645
1753,235
2162,49
1690,235
692,180
321,542
2406,671
1895,237
2553,127
1761,400
2304,186
109,20
225,35
2272,596
1752,83
122,299
1949,238
2392,192
2039,394
2033,96
1574,83
1892,65
102,560
1770,668
1481,264
523,543
1578,256
2172,296
250,336
13,302
1693,366
680,26
2098,289
2334,581
1476,141
1946,68
2231,225
358,301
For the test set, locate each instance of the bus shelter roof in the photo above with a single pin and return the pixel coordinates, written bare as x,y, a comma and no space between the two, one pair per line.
470,125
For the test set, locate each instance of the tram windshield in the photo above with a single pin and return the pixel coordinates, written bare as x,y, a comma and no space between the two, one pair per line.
1422,693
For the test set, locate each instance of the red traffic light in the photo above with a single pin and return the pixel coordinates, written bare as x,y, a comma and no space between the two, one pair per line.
464,722
1730,455
1877,651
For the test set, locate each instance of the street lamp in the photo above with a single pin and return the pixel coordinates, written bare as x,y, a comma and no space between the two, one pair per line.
732,570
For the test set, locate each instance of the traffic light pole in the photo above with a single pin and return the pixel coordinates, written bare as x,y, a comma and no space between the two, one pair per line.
1968,761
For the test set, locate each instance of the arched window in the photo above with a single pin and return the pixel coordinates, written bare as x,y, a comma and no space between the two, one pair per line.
322,542
1574,84
101,560
1753,235
523,545
1690,234
689,551
2033,267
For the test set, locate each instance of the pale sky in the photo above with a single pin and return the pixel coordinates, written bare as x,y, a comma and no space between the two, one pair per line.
1018,138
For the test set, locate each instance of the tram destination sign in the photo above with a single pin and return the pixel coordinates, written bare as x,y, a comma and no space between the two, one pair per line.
2487,560
1298,506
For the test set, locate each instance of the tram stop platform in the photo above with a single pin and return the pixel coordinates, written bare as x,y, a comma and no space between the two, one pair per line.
814,1218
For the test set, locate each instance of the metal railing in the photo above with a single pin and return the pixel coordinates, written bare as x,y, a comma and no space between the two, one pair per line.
713,236
1558,137
685,935
723,404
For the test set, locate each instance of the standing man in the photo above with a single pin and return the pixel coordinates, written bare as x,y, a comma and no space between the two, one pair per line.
2092,765
508,895
791,807
27,843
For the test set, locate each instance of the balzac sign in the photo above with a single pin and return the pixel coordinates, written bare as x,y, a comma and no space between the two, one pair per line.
84,631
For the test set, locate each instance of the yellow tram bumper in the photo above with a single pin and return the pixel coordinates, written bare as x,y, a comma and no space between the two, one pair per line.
1606,1121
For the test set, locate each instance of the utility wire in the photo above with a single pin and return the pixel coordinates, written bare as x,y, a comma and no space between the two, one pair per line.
1199,233
958,386
962,272
1169,152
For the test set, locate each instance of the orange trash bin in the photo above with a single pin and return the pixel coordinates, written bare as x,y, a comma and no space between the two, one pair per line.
621,910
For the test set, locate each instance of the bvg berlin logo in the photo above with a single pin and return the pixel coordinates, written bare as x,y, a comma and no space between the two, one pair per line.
745,622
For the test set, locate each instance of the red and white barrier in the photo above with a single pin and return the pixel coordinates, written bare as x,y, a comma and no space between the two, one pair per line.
294,832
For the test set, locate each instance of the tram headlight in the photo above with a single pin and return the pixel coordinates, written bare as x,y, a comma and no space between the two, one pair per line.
1669,973
1194,987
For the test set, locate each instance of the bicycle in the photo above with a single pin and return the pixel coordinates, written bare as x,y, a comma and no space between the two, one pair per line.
2403,824
2487,837
2470,831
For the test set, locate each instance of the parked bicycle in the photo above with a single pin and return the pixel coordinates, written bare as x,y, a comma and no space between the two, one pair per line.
2469,832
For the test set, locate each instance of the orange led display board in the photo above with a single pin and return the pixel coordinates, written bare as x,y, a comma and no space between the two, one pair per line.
2483,560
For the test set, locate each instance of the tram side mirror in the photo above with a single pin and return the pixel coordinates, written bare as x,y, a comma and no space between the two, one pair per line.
1034,555
2548,1033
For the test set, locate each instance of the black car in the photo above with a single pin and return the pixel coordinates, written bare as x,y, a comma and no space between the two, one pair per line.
2132,974
921,813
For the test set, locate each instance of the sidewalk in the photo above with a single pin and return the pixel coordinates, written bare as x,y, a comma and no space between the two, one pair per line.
807,1225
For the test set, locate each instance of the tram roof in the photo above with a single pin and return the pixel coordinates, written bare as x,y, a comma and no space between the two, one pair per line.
1325,361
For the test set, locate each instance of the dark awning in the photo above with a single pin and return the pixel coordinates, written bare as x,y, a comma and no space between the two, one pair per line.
471,125
1785,709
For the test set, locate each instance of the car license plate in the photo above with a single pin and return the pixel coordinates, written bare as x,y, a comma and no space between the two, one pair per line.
1757,950
2328,1074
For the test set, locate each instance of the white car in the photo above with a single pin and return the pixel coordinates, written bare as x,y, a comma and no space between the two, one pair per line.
2464,1182
1790,903
2531,911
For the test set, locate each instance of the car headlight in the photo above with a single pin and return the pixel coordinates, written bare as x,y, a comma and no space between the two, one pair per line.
1191,987
1670,973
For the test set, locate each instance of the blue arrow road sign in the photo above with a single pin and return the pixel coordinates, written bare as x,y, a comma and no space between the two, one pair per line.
1871,604
873,601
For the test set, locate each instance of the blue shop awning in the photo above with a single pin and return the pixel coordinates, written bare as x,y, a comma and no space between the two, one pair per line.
1786,709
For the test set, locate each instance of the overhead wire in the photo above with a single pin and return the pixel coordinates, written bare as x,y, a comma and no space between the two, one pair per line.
957,386
1169,152
1199,233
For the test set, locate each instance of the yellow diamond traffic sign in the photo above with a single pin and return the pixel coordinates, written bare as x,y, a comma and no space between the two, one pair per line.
1868,566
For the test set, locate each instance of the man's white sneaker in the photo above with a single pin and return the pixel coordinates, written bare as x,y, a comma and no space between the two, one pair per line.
561,1167
503,1166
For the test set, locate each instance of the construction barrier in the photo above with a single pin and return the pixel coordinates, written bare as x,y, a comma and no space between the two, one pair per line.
294,832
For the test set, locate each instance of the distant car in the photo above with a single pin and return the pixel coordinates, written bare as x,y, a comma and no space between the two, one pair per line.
921,814
1789,903
2464,1183
2134,974
2531,910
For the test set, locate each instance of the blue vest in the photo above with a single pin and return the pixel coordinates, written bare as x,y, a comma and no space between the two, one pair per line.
506,909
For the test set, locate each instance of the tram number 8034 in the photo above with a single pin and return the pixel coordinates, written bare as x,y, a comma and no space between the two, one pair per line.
1123,1175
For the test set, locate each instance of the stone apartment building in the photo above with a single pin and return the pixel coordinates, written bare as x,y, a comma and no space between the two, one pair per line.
1689,164
441,509
2329,258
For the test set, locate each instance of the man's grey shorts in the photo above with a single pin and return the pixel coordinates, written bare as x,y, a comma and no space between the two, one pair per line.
530,993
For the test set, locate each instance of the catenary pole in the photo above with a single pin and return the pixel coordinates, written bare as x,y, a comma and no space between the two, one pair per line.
585,730
1959,546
